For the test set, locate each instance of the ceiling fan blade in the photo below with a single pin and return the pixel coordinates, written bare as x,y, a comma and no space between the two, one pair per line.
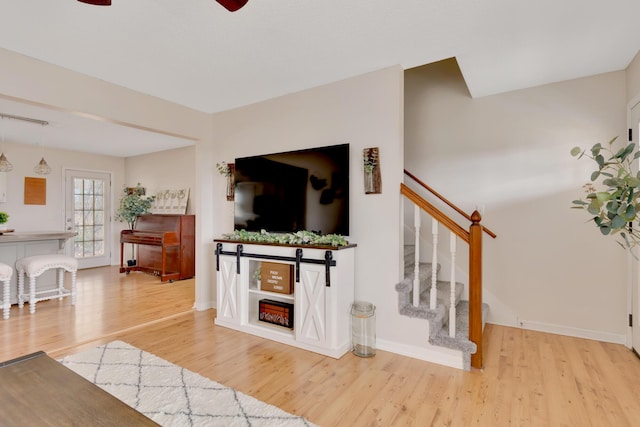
232,5
97,2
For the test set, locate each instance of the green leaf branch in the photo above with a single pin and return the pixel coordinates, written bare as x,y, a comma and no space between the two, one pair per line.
133,204
370,160
223,169
614,208
297,238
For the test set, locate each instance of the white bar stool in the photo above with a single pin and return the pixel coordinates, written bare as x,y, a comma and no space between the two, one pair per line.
5,277
34,266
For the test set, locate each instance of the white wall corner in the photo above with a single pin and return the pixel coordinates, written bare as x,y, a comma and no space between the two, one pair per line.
203,306
499,312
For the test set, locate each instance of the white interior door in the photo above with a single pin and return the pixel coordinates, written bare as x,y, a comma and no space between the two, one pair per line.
87,212
634,125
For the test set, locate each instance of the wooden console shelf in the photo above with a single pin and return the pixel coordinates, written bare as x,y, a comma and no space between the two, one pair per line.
322,293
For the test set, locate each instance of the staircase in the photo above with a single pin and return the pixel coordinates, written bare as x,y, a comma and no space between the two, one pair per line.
438,318
454,322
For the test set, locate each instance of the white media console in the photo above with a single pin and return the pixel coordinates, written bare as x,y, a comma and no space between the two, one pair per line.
322,293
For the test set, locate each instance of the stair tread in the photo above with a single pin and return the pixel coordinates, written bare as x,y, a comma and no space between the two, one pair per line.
438,318
444,293
426,270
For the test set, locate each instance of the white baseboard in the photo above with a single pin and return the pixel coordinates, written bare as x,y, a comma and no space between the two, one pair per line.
573,332
433,354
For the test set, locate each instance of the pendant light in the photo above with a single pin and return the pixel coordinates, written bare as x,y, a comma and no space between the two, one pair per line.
5,165
42,168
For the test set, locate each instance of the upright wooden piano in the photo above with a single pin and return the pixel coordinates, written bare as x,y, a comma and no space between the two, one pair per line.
165,246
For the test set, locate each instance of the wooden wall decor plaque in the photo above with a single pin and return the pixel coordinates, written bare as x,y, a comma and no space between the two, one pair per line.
372,175
276,277
231,182
35,191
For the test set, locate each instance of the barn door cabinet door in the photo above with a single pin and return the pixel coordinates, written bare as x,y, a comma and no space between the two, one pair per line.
228,298
311,305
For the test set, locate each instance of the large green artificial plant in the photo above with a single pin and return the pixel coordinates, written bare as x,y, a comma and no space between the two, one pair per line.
133,204
613,193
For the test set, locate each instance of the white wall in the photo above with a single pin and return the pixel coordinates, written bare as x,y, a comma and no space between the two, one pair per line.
633,78
365,111
164,170
50,217
548,269
35,82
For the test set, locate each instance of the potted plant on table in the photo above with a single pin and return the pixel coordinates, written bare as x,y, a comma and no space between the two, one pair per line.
257,276
4,217
133,204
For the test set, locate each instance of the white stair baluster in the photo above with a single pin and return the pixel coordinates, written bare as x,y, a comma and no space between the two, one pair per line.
416,268
452,307
433,296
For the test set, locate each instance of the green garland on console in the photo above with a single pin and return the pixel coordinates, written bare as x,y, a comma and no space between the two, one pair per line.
297,238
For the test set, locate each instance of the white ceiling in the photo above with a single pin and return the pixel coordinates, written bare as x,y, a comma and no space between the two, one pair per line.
198,54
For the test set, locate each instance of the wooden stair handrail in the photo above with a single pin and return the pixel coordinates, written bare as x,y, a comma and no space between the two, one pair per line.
473,238
447,202
434,212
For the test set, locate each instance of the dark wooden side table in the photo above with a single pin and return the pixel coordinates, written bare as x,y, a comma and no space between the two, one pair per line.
37,390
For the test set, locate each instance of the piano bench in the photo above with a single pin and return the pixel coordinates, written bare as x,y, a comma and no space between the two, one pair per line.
35,266
5,278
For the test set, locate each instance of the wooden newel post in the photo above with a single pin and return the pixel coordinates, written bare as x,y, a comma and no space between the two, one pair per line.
475,287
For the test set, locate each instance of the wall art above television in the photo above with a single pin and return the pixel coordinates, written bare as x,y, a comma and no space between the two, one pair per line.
292,191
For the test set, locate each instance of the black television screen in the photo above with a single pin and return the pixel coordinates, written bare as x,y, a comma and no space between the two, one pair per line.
292,191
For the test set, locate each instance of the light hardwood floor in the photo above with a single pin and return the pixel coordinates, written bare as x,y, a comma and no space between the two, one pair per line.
529,379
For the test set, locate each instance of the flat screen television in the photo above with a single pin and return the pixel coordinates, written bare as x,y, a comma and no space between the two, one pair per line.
296,190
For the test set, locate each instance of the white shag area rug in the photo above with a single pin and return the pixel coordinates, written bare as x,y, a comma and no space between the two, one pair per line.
171,395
